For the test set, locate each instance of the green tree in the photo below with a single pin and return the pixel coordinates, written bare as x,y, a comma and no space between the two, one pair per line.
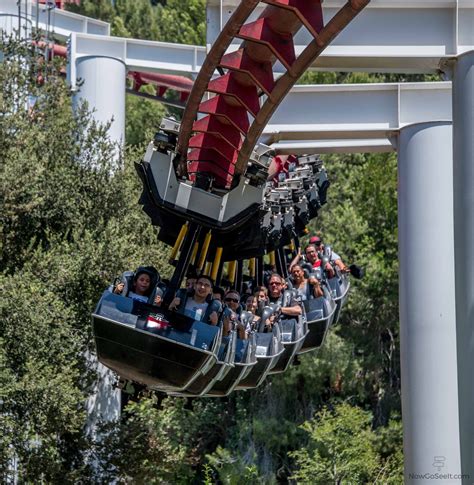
361,224
150,446
341,449
55,162
140,19
143,118
70,223
181,21
97,9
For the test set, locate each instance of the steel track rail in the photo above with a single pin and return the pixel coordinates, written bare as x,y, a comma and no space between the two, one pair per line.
246,92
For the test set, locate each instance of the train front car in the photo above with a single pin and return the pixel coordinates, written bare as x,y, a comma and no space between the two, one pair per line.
159,349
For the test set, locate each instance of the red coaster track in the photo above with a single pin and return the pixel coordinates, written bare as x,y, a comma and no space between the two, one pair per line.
246,92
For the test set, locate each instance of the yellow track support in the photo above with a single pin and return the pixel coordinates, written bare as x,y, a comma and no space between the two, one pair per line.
208,268
205,248
252,267
194,253
231,271
179,241
216,263
271,255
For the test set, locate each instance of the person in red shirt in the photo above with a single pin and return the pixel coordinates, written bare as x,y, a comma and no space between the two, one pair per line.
312,257
334,257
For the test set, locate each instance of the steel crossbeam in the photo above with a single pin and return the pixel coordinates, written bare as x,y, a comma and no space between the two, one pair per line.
137,55
60,22
353,117
392,35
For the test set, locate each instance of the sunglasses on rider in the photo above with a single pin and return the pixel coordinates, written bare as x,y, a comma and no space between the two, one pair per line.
235,300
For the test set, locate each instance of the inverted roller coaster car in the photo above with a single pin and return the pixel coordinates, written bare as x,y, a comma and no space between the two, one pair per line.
319,315
223,365
339,287
206,184
170,352
164,356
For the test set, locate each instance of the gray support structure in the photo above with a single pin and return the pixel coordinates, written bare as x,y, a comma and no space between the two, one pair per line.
427,303
103,88
463,123
104,84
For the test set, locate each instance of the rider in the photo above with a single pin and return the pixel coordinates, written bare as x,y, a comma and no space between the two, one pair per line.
261,292
276,285
313,259
190,279
232,312
334,257
307,288
252,306
199,304
144,278
232,301
218,293
275,295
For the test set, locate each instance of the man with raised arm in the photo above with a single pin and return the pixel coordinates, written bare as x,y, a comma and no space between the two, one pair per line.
333,257
312,257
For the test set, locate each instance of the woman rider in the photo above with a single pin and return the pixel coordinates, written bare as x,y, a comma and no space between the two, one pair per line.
141,286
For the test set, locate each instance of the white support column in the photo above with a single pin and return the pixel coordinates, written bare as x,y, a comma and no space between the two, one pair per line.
104,90
104,83
463,124
427,303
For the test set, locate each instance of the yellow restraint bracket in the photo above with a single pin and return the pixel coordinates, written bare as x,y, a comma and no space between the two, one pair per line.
216,264
179,241
252,267
232,266
271,255
205,248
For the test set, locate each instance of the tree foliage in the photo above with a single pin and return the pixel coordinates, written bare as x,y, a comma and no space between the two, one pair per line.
342,448
362,218
181,21
69,224
143,118
149,446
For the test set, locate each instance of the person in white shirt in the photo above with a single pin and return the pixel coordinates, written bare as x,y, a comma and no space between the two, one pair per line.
196,305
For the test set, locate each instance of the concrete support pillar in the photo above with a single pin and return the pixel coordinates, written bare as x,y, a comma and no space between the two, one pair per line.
463,149
427,303
103,88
